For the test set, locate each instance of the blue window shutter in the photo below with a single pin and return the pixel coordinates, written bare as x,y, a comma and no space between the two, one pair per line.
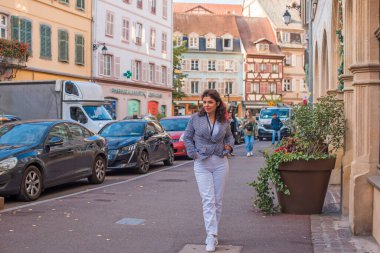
48,41
219,44
187,41
202,44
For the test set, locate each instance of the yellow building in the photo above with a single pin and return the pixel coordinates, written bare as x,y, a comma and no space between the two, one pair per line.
58,33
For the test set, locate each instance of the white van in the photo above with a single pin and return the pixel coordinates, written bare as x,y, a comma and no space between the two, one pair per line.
265,118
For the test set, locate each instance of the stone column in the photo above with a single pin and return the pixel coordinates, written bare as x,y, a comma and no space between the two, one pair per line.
366,125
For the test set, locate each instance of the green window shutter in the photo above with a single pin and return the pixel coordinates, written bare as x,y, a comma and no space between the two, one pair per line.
28,34
79,49
48,42
15,21
63,46
45,34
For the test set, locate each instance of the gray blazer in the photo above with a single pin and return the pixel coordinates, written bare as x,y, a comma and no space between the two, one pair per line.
199,142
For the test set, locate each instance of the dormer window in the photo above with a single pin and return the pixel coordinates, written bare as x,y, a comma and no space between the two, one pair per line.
210,41
262,48
193,41
177,39
227,42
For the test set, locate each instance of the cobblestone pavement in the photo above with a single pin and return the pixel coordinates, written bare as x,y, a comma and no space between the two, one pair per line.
331,232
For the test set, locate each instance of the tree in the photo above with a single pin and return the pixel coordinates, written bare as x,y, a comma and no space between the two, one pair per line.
178,76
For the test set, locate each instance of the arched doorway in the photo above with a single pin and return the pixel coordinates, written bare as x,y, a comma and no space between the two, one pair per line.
133,107
316,89
153,108
325,78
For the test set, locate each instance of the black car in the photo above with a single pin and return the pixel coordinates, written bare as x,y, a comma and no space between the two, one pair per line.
35,155
137,144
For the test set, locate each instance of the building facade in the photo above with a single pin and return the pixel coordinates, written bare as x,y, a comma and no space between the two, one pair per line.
263,63
207,8
136,69
359,89
213,60
290,38
58,34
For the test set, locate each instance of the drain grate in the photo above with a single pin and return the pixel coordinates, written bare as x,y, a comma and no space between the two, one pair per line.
130,221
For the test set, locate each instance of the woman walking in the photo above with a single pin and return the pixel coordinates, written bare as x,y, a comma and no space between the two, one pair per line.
208,140
249,132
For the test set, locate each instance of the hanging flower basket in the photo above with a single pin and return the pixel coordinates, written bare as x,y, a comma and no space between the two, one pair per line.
13,52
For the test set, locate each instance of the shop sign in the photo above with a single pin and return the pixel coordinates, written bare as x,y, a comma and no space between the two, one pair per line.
154,95
128,92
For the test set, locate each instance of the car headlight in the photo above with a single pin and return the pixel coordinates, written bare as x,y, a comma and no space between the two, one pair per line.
127,149
8,164
261,124
181,138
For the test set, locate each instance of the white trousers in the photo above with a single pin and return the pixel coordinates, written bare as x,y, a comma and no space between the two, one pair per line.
211,175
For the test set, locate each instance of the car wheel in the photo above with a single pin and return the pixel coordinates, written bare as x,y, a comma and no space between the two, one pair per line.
170,159
98,171
31,184
143,163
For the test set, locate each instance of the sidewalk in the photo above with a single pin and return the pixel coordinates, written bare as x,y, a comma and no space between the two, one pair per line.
161,213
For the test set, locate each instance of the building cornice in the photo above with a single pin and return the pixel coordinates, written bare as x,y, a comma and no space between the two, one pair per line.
136,85
57,73
364,68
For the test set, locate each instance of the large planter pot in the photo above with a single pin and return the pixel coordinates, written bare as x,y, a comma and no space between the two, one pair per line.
307,182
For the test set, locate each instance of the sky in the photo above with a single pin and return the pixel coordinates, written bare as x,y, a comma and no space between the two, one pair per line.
211,1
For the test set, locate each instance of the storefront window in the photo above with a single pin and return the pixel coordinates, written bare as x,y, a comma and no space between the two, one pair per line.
163,110
133,107
153,108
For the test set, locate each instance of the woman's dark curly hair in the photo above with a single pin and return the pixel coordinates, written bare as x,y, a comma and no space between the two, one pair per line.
221,111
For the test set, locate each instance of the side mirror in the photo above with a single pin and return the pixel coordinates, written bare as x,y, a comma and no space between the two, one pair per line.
55,141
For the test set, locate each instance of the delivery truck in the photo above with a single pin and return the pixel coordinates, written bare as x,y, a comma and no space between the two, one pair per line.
57,99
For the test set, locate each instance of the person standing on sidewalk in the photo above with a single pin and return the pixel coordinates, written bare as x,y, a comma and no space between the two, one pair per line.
208,140
249,132
276,125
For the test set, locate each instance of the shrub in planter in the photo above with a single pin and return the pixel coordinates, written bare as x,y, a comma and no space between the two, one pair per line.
318,131
12,49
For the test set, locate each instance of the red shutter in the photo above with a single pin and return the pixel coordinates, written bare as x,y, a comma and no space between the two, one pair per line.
117,67
245,67
257,67
101,64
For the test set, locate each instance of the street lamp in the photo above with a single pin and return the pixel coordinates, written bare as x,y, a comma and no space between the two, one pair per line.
96,45
287,17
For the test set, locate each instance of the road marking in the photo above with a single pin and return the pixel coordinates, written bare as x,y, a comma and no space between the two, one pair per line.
92,189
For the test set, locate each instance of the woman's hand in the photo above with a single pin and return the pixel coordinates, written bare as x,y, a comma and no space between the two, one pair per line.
226,147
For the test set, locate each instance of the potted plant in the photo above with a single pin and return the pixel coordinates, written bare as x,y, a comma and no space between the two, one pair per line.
300,168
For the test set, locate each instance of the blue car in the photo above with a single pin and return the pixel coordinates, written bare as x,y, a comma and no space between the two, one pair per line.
137,144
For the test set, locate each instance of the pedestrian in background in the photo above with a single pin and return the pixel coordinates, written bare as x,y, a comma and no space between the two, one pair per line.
233,124
249,132
208,140
276,125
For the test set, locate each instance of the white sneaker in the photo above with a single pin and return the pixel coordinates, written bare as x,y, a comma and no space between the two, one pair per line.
211,243
248,154
251,153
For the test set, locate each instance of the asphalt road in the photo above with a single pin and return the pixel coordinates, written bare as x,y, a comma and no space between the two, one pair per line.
164,207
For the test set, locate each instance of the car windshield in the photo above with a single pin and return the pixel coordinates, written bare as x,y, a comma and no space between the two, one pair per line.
122,129
97,112
24,134
267,114
174,124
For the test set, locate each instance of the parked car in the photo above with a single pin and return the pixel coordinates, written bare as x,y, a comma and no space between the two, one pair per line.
35,155
4,118
176,126
137,144
265,118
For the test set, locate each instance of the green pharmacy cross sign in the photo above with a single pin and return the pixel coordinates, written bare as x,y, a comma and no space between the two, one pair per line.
128,74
